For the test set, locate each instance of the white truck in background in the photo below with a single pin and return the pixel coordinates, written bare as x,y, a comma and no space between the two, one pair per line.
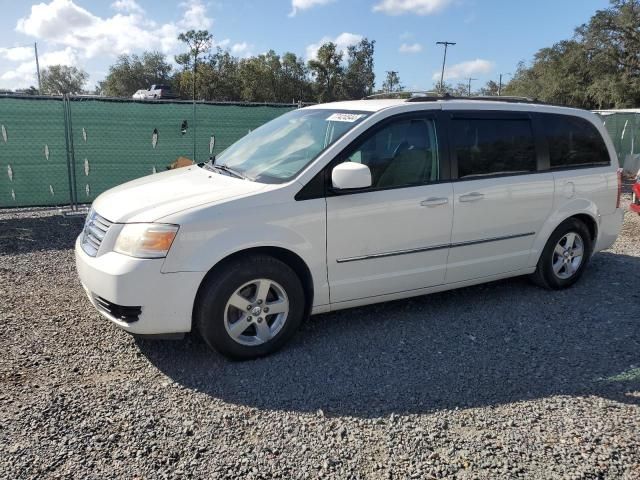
155,92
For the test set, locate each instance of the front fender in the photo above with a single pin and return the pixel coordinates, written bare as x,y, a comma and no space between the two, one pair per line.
209,236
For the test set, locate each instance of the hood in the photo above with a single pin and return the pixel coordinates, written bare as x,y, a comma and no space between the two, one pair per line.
149,198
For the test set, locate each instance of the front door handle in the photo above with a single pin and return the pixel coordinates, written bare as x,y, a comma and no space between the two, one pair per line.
434,201
471,197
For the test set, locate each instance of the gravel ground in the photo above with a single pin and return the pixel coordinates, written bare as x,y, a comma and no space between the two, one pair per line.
502,380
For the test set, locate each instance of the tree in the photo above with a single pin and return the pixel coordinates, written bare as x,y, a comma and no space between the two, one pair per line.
598,68
392,83
198,42
328,73
359,79
61,79
132,72
460,90
491,89
258,77
295,79
220,77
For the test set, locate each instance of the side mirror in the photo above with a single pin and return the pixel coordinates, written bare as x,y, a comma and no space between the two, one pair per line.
350,175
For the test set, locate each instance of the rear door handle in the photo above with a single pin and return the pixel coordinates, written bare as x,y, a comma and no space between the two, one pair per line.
471,197
434,201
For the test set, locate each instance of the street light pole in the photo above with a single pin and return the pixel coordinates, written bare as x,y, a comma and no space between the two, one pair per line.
500,83
470,80
444,61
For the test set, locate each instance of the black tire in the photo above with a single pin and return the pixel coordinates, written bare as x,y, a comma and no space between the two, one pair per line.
221,284
545,276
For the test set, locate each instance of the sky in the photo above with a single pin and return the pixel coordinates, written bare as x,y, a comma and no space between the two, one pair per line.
491,36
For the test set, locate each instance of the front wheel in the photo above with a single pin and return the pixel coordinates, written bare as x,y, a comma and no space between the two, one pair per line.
250,308
565,256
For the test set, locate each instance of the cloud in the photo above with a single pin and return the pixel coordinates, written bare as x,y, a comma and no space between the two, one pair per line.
305,5
59,57
410,48
24,74
130,6
242,49
63,23
195,16
419,7
342,41
17,54
466,69
70,34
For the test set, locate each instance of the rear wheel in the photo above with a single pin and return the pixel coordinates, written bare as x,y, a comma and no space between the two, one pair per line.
250,308
565,256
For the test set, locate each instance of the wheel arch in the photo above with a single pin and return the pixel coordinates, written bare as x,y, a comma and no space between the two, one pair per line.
591,224
290,258
585,215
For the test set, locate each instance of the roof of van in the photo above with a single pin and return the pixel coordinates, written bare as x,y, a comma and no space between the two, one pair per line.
478,103
362,105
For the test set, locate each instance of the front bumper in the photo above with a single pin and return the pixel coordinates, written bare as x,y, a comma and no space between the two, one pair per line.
165,299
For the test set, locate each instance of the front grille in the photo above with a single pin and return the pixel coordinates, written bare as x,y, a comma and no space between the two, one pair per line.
119,312
95,229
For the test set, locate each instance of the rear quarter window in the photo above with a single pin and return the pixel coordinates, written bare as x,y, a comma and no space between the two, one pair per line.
573,142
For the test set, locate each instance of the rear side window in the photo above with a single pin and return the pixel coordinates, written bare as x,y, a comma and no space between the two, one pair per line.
573,142
493,146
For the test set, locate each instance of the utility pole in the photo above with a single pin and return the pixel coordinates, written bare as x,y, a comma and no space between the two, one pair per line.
35,47
500,83
470,80
444,61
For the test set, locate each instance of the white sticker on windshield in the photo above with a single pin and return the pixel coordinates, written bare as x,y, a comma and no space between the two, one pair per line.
344,117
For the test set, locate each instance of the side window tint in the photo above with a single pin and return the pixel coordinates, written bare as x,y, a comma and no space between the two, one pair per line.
493,146
573,141
403,153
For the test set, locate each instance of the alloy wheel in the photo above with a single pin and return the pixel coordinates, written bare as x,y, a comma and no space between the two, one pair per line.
256,312
568,255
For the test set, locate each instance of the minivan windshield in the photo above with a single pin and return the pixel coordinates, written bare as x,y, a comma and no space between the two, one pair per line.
280,149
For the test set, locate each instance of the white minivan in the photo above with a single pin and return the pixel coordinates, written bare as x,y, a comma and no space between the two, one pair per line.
352,203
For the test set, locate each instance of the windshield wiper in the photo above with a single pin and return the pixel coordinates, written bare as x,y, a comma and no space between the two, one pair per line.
231,171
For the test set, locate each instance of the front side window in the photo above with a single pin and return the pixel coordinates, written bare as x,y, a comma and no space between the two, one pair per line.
280,149
493,146
573,141
402,153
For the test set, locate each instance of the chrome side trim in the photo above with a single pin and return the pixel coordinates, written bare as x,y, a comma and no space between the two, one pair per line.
391,254
492,239
435,247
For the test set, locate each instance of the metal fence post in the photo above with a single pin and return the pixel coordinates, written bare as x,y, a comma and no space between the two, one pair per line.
68,147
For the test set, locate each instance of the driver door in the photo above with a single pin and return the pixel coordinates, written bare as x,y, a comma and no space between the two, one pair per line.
392,237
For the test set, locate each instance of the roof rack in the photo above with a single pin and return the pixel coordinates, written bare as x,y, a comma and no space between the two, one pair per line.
401,95
431,96
485,98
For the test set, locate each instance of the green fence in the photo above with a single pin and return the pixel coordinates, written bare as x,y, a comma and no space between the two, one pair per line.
623,127
62,151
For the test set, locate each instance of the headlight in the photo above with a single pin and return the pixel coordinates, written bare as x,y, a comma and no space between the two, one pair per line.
146,240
